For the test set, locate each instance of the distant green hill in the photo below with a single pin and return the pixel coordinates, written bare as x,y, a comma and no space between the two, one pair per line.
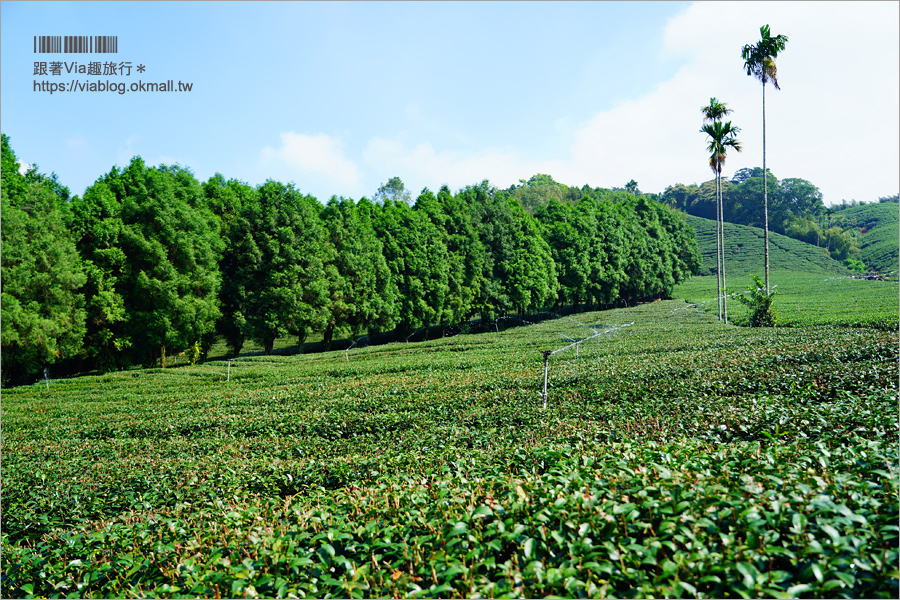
745,251
880,226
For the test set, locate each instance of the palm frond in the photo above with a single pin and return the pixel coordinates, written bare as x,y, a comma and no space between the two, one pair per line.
759,59
771,71
722,136
715,111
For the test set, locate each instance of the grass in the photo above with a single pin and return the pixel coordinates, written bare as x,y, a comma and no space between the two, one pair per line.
677,457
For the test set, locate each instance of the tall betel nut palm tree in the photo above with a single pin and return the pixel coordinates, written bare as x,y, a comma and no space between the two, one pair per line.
759,62
721,137
712,113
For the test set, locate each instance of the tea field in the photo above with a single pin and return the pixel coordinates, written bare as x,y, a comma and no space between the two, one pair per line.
745,251
676,457
880,228
805,298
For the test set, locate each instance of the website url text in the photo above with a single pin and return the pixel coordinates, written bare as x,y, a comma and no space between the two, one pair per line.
111,86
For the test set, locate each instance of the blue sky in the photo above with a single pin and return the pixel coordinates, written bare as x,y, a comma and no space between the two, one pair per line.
339,97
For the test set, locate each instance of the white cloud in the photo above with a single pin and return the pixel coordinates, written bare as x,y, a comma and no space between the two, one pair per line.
319,154
654,139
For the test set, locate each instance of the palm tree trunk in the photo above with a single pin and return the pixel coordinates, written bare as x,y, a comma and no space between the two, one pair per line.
722,245
718,253
765,188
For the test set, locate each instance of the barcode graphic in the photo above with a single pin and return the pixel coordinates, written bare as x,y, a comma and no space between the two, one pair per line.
76,44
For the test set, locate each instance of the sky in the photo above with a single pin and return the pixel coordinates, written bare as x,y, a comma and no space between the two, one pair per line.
340,97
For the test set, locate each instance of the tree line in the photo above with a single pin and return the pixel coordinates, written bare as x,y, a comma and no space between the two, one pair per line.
151,262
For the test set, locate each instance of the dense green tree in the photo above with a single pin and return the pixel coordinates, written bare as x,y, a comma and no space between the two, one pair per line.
610,247
563,227
587,249
607,249
746,201
228,200
742,175
541,189
152,248
529,273
98,227
154,243
652,267
283,244
795,198
465,253
840,243
170,280
417,258
43,316
680,196
361,291
686,258
636,270
804,229
660,250
759,62
11,179
519,272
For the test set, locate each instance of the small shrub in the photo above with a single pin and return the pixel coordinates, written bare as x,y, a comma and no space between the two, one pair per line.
855,265
194,352
760,304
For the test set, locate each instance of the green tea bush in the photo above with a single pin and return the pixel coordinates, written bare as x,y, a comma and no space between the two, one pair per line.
677,458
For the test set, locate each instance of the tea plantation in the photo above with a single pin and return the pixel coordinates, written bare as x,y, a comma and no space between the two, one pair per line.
745,251
806,299
676,457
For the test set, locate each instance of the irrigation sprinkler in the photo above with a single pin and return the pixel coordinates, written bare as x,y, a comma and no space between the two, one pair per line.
548,353
347,351
412,334
229,370
684,307
47,377
573,340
